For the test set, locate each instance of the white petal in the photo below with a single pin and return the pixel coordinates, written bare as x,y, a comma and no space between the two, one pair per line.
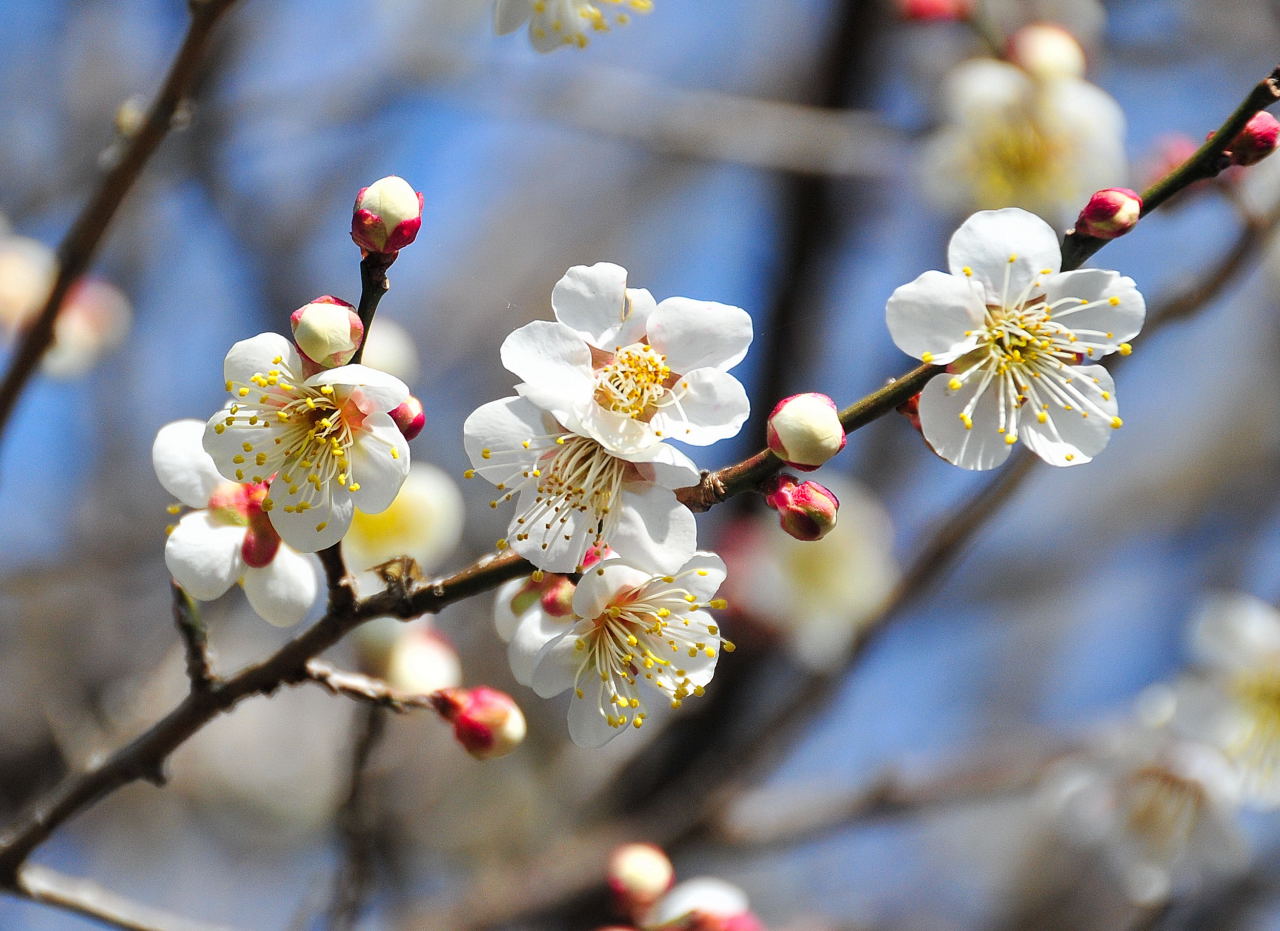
506,620
587,726
1006,250
665,466
601,584
714,406
700,667
203,555
983,89
654,530
183,467
554,363
619,433
378,471
224,446
257,355
592,299
981,447
536,630
385,391
930,317
1067,438
283,591
510,15
556,666
1234,631
697,334
703,575
633,329
317,527
500,427
1121,320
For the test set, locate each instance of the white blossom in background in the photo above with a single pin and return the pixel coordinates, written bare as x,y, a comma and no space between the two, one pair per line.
572,494
1234,701
1014,139
1162,812
1018,338
389,348
323,445
704,902
630,373
629,635
424,522
227,537
27,271
556,23
815,595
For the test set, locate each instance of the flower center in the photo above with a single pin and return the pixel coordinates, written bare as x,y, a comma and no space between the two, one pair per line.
1256,746
242,506
1015,160
634,382
569,19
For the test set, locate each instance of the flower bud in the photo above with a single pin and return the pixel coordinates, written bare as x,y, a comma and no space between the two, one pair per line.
806,511
1256,141
1110,213
910,409
557,595
327,331
487,723
804,431
1047,52
704,904
639,875
410,417
925,10
387,215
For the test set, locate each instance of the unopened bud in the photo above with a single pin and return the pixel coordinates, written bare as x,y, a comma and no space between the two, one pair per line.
804,430
327,331
410,417
487,723
557,595
1110,213
386,216
639,875
925,10
807,511
1256,141
1046,51
910,409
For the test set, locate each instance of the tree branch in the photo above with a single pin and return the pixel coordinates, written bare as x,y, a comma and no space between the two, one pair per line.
195,638
87,898
354,876
81,241
364,689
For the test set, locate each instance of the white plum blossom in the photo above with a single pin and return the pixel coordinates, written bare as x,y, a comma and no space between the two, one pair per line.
1014,139
227,538
572,493
423,522
1019,339
628,633
556,23
323,445
630,373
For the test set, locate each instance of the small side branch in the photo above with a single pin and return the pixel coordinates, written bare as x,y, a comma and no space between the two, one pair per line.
356,828
195,637
87,898
364,688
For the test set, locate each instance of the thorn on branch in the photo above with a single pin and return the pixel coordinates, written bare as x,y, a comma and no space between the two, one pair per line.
195,638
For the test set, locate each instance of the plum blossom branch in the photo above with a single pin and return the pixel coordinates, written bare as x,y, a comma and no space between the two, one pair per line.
78,247
83,897
195,638
354,875
364,689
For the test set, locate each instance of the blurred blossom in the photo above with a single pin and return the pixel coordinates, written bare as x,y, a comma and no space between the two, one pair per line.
27,271
554,24
816,595
94,319
423,522
389,348
412,657
1046,51
1012,139
638,875
1160,811
704,903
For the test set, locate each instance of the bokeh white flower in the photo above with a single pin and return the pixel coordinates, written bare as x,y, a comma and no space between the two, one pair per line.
227,537
424,522
323,445
557,23
1018,338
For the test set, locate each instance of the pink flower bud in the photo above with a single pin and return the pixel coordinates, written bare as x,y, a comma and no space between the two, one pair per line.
410,417
557,595
327,331
806,511
1046,51
1110,213
925,10
639,875
487,723
387,215
910,409
804,431
1256,141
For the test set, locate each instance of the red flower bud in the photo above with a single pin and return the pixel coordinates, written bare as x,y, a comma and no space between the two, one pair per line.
387,215
1110,213
487,723
806,511
410,417
1256,141
327,332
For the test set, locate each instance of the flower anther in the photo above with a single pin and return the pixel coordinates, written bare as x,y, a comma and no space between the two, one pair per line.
554,24
323,445
1018,338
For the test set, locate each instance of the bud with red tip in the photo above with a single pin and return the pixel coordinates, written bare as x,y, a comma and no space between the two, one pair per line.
1046,51
1256,141
387,215
804,430
807,511
910,409
1110,213
925,10
639,875
487,723
328,331
410,417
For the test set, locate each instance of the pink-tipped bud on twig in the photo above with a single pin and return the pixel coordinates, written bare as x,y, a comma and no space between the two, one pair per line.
1256,141
806,510
487,723
1110,213
804,430
639,875
410,417
387,215
327,331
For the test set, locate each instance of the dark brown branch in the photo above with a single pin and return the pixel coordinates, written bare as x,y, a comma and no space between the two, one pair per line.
373,285
195,638
81,242
354,877
93,901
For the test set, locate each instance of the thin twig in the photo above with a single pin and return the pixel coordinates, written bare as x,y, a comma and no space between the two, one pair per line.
354,876
48,887
373,285
81,242
364,689
195,638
